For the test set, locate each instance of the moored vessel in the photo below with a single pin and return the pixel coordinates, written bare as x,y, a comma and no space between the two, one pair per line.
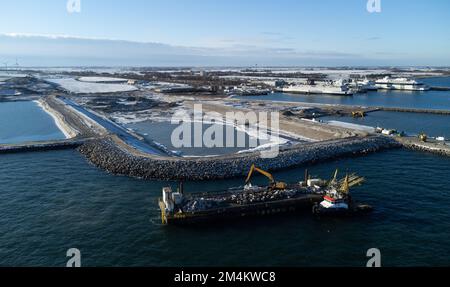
311,87
179,208
388,83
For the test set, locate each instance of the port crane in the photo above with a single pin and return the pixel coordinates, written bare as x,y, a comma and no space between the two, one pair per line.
344,185
274,185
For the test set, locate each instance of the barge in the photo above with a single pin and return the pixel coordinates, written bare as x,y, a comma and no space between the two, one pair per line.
178,208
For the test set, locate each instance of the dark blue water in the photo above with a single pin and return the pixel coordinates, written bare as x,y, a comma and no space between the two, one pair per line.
26,121
437,100
412,123
47,208
437,81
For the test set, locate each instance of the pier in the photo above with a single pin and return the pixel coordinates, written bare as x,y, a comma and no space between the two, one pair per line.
41,146
440,148
440,88
412,110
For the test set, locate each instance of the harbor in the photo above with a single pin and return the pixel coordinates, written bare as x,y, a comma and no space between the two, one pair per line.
100,139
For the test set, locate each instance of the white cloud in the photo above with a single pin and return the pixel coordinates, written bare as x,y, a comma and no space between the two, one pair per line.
45,49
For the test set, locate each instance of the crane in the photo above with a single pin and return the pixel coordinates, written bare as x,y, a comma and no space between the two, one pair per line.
273,184
349,181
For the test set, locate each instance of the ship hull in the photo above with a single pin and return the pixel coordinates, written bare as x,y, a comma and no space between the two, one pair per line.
318,92
354,209
305,202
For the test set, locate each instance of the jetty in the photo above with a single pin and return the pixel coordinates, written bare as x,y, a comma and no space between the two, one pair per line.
412,110
432,146
41,146
440,88
116,157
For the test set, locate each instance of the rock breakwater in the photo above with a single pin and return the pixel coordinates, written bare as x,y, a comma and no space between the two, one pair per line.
115,158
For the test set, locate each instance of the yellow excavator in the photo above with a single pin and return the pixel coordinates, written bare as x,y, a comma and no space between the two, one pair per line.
423,137
274,185
358,114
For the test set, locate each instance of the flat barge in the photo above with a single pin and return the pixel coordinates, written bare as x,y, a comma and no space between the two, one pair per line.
248,201
251,201
177,208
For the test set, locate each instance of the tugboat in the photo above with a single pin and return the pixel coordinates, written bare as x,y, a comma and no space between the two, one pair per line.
338,202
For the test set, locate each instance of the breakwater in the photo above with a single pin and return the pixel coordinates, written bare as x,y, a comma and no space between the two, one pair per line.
408,110
440,88
113,156
41,146
434,147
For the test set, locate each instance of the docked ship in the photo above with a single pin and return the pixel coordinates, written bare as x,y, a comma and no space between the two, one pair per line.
330,88
178,208
405,84
362,86
247,91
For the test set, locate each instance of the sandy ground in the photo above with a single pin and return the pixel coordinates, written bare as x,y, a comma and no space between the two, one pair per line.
296,127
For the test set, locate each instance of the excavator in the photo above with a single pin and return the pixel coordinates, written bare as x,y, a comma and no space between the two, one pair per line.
423,137
273,185
358,114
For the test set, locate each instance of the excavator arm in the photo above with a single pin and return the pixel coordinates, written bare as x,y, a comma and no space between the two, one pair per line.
265,173
273,183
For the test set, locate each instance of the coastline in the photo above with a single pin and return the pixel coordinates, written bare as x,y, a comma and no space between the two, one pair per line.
67,131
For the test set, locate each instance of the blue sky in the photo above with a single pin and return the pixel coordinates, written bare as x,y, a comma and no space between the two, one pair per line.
309,32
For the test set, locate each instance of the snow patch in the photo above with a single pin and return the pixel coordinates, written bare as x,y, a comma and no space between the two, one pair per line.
77,87
102,80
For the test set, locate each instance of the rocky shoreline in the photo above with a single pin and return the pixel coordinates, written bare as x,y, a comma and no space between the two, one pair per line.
436,148
105,153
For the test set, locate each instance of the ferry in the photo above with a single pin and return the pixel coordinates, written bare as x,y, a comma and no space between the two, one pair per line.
340,88
406,84
362,86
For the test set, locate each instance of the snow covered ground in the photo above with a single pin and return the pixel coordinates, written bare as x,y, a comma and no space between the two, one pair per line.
102,80
106,70
352,126
77,87
4,76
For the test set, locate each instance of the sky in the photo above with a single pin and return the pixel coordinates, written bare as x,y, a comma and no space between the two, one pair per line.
225,32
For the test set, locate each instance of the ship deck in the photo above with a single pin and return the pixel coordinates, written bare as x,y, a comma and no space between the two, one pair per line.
297,200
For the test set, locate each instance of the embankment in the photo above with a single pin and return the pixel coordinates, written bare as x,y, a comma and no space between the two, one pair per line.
412,110
109,154
434,147
66,129
40,146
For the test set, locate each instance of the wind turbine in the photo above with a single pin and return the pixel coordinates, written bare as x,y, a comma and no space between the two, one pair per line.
17,64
